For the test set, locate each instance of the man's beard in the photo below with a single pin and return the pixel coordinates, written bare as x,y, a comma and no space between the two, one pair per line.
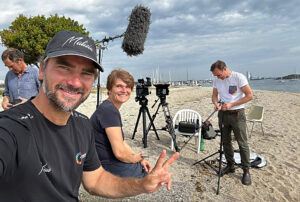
53,97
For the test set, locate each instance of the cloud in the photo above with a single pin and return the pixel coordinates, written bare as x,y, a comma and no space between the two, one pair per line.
295,49
185,34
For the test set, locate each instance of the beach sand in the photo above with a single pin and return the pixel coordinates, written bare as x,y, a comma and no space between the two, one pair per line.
277,181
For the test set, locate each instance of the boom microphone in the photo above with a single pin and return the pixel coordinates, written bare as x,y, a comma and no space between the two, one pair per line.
137,30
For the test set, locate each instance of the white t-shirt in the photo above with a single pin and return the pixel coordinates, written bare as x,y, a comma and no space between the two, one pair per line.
229,89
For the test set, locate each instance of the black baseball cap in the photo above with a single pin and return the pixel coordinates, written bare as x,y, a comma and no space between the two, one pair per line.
72,43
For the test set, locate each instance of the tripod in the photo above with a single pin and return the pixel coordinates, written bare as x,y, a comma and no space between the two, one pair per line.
143,101
220,152
169,127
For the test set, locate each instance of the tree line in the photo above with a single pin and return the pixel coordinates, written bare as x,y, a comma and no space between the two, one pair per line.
31,35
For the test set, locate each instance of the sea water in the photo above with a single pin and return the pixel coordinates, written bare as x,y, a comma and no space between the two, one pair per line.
286,85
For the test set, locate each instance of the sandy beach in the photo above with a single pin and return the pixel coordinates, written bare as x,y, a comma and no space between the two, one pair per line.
278,181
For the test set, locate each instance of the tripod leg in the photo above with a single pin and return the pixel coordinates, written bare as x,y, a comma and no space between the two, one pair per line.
220,165
153,117
219,172
205,158
151,123
144,128
170,127
221,151
136,124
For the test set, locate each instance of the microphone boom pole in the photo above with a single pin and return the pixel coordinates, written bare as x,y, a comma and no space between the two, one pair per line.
134,37
98,82
101,48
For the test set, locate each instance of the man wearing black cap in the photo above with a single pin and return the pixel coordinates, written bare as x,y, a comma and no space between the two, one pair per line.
47,148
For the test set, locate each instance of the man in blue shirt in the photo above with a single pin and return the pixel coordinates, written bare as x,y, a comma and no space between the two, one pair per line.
21,82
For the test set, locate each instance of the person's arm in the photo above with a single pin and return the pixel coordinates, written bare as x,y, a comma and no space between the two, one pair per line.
145,164
5,103
214,99
248,96
101,182
129,148
119,148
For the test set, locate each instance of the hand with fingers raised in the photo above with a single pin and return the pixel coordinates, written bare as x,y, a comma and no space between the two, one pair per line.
160,175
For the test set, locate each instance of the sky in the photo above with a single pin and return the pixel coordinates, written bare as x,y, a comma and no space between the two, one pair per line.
185,36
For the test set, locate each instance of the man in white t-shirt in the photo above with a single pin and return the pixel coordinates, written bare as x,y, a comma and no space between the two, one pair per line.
233,89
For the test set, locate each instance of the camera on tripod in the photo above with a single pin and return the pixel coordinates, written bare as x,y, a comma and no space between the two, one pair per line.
142,88
162,89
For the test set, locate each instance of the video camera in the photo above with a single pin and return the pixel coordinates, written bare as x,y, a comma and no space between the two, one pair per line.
162,90
142,89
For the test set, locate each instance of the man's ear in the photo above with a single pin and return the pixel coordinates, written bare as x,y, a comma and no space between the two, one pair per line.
41,72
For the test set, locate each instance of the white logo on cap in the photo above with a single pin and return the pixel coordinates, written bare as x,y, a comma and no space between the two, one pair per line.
76,41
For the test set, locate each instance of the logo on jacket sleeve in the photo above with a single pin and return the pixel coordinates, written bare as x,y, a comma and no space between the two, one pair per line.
79,158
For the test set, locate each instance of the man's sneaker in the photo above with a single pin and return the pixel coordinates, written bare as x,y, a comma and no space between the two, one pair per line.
246,180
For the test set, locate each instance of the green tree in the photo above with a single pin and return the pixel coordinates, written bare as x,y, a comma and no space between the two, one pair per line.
31,35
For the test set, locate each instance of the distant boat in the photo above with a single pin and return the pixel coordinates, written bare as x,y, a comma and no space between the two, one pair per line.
257,78
281,80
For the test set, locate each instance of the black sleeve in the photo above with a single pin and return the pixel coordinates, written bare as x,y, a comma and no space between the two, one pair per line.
109,116
8,149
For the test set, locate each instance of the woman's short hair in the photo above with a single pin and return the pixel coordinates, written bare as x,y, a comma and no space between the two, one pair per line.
125,76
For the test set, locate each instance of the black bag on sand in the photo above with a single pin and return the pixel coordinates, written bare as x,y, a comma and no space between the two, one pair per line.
208,131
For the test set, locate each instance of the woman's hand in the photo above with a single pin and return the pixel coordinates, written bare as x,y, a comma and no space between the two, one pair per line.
146,165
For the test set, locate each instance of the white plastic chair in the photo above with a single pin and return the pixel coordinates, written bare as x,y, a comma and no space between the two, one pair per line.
255,114
187,115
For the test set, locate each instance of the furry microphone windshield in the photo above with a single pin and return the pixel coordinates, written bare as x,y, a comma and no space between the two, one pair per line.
136,33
